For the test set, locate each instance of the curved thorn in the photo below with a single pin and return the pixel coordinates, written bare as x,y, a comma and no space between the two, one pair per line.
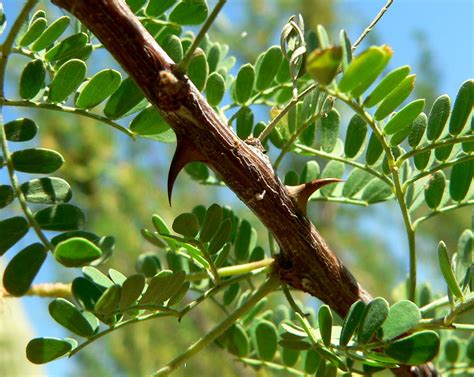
302,193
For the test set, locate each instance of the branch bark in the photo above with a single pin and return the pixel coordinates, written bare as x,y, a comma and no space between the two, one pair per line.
305,261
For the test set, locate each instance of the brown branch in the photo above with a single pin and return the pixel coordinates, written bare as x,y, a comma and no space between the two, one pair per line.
305,260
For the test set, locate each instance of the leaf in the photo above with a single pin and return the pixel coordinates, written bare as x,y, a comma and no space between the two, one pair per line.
44,350
173,47
415,349
417,130
215,89
189,12
186,224
239,343
289,356
126,100
12,230
242,241
66,80
464,248
325,324
48,190
346,49
374,150
21,129
434,189
74,46
355,136
462,107
312,361
37,160
148,264
461,179
334,169
402,317
310,172
211,222
470,349
421,160
76,252
221,237
60,217
374,315
362,67
34,31
330,130
198,69
244,83
266,340
438,117
351,322
68,316
22,269
157,288
175,283
376,191
52,32
156,8
213,57
267,68
32,79
151,125
451,350
447,271
395,98
244,122
98,88
116,276
386,86
109,300
6,195
85,292
322,64
179,295
355,182
403,119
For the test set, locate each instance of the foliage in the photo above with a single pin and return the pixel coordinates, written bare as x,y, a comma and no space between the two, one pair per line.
392,152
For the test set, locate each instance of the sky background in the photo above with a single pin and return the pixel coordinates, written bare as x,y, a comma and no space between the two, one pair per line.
447,25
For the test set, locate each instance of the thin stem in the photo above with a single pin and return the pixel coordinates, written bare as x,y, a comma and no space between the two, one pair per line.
267,131
270,365
372,24
68,110
182,66
266,288
442,210
291,301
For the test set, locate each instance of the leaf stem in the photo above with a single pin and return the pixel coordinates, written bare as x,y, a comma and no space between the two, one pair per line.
182,66
266,288
442,210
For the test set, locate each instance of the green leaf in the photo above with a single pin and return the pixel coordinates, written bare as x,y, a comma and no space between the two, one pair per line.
76,252
12,230
198,69
148,264
438,117
157,288
156,8
421,160
464,248
21,129
330,130
239,343
51,34
221,237
461,180
451,350
215,89
403,119
173,47
35,29
74,46
417,130
186,224
386,86
434,189
334,169
322,35
470,349
289,356
98,88
267,67
376,191
395,98
231,293
322,64
244,83
462,107
212,221
310,171
116,276
351,322
126,100
244,122
60,217
153,238
66,80
175,283
37,160
415,349
85,292
447,270
68,316
189,12
6,195
402,317
355,182
151,125
374,315
48,190
325,324
266,340
213,57
32,79
109,300
312,361
355,136
44,350
374,150
346,49
242,241
362,67
179,295
22,269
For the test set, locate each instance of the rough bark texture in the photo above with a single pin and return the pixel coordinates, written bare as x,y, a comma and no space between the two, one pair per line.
305,261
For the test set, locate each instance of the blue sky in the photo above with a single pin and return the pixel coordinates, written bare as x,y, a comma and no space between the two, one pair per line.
447,25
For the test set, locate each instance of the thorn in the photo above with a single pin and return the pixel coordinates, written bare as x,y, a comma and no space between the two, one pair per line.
302,193
184,154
